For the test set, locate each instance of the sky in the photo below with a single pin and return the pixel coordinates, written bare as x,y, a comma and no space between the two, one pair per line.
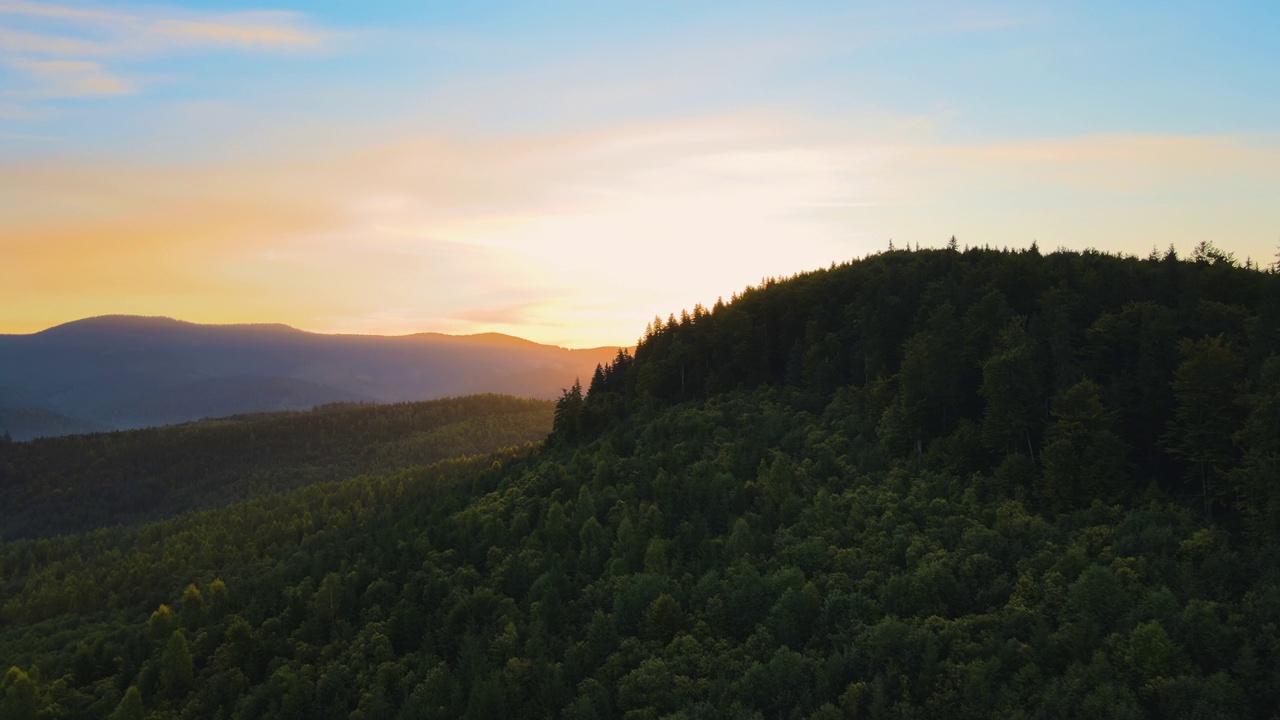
566,171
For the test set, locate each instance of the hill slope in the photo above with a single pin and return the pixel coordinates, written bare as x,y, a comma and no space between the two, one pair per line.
60,485
911,486
119,372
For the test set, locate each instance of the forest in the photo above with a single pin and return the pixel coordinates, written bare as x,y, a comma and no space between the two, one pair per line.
60,485
954,482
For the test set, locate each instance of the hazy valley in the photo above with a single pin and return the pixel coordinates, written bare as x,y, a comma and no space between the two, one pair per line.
118,372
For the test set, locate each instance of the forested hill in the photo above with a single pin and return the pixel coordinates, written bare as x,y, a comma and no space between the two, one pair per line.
60,485
924,484
1075,376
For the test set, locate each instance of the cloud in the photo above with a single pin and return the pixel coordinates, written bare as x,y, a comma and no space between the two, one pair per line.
71,78
269,33
157,27
14,111
18,7
24,43
54,46
1121,165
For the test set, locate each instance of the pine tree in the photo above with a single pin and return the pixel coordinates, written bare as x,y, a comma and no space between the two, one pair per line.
130,707
1084,457
1013,389
176,667
569,415
1206,386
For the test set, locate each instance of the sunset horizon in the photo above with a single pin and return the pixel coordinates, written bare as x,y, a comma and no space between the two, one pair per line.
567,173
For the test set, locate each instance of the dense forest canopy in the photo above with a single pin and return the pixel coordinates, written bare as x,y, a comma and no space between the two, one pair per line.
923,484
1001,357
76,483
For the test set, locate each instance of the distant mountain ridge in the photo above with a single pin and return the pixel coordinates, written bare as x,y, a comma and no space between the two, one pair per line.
127,371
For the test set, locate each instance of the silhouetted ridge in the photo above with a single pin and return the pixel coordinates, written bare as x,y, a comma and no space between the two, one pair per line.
134,323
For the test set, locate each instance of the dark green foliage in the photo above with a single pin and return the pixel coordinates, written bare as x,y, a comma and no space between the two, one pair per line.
1083,457
923,485
130,707
1207,415
77,483
931,345
1256,482
17,695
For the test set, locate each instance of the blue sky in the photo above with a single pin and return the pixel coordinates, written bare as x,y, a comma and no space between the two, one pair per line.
564,171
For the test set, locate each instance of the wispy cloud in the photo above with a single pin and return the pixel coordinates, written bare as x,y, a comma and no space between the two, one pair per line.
17,7
1121,164
72,51
249,30
71,78
13,42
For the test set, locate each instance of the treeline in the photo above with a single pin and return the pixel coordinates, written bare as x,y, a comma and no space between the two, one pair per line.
1081,375
77,483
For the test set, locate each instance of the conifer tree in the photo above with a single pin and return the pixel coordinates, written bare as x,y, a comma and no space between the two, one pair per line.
1206,386
1084,457
176,667
130,707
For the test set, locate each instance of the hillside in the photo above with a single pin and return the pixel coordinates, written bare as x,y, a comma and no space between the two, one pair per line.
60,485
932,484
122,372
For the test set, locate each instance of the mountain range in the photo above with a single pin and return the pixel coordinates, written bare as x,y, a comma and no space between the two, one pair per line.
121,371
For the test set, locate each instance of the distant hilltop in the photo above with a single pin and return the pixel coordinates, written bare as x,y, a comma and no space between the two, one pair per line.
100,324
126,371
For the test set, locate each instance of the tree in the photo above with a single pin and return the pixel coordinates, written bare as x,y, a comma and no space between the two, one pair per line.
1257,480
655,557
192,601
1084,457
17,695
176,667
929,383
1013,389
663,619
161,622
594,544
649,690
1207,252
130,707
487,699
570,410
217,595
1151,654
1207,414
